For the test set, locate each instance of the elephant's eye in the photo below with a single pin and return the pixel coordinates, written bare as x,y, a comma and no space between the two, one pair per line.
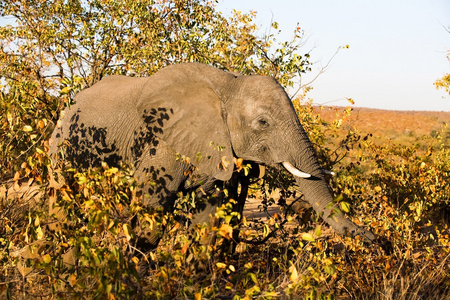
262,123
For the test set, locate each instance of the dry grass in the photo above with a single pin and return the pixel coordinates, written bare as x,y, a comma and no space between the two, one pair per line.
390,124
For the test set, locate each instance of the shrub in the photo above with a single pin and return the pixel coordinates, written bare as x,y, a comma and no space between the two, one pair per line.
78,238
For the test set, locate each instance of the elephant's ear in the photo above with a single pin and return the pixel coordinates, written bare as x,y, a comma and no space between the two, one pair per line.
193,125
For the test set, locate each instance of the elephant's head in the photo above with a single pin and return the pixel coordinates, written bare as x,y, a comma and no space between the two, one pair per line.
253,118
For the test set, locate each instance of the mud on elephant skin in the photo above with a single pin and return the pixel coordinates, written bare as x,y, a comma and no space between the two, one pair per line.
187,109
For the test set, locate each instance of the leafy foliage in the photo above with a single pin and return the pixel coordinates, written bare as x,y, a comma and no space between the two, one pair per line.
80,239
443,83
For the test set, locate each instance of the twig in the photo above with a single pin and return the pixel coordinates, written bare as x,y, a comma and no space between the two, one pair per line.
321,71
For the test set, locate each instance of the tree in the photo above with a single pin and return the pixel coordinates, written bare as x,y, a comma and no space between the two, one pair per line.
53,49
444,82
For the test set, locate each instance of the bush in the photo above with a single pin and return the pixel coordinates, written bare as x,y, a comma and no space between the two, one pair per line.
78,238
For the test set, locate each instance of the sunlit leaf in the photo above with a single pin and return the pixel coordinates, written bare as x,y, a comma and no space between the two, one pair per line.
308,237
47,258
226,231
221,265
345,206
293,274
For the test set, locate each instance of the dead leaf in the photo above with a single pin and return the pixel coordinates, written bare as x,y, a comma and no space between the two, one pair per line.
16,186
238,162
184,249
223,165
72,280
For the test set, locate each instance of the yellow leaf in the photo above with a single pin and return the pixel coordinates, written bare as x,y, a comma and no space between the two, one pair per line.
111,224
111,171
184,248
293,274
198,296
378,189
238,163
153,256
127,231
135,260
150,220
226,231
41,124
27,128
345,206
221,265
72,280
308,237
47,258
318,231
223,165
37,221
39,233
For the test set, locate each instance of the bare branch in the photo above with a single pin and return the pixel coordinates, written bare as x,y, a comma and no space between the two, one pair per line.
321,71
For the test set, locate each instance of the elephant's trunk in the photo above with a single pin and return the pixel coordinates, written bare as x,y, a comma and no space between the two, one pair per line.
317,193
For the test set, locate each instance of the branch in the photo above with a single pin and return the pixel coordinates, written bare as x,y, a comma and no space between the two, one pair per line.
321,71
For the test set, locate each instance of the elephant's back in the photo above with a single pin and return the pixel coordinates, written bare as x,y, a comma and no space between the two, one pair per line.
110,95
96,119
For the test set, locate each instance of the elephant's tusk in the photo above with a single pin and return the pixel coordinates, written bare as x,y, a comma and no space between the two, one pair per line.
294,171
328,172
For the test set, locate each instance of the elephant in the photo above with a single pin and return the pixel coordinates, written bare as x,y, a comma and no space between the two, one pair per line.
206,116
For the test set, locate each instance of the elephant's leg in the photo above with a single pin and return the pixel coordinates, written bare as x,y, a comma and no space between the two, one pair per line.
209,200
241,183
241,197
237,188
163,175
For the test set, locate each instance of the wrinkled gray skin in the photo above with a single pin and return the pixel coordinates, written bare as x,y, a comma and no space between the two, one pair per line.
182,109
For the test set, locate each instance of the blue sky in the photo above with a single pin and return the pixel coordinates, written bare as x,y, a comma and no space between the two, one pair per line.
397,48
